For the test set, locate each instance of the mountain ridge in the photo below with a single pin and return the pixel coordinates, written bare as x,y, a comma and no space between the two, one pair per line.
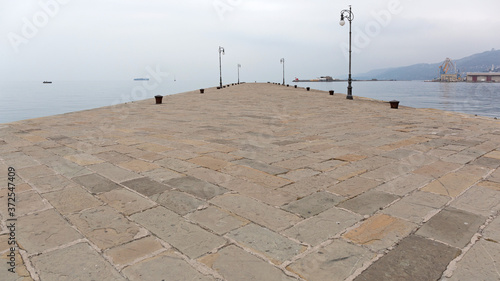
480,62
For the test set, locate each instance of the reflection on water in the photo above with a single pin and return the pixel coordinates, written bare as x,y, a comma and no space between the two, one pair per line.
23,100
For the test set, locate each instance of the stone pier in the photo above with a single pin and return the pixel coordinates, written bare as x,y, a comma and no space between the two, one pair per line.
251,182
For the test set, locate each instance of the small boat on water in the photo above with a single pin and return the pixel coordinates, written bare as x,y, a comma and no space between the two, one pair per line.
47,82
141,79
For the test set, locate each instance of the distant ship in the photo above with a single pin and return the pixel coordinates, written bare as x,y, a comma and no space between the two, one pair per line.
47,82
321,79
141,79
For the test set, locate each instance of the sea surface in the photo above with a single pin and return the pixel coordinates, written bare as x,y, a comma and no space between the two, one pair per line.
26,100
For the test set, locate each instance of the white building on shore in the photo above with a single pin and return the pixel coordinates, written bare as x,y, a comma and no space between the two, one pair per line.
483,77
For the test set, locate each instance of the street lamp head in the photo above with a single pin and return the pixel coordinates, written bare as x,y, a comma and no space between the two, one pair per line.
342,22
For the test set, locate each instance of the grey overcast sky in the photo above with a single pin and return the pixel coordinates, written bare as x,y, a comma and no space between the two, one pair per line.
120,39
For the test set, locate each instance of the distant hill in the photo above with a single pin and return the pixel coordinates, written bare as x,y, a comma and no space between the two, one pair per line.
481,62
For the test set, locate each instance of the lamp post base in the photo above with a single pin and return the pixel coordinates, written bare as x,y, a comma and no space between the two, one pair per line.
349,93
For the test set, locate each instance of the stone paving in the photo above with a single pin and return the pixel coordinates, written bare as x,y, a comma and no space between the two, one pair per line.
252,182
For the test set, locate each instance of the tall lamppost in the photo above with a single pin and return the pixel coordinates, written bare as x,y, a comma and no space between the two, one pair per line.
282,61
221,50
347,14
239,66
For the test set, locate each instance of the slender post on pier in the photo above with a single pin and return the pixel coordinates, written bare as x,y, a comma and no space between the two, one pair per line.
347,14
221,50
239,66
282,61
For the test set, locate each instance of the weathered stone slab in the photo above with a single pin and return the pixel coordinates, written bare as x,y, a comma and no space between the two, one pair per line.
310,185
479,200
114,157
96,183
20,271
83,159
51,183
153,147
350,157
415,259
326,165
273,197
162,174
390,171
336,261
437,169
113,172
261,166
127,253
353,186
495,176
210,162
178,201
146,186
299,174
256,176
235,264
28,202
71,200
35,172
138,166
323,226
256,211
196,187
487,162
77,262
176,164
297,163
369,202
166,266
492,231
452,184
208,175
217,220
68,168
452,226
417,206
43,231
380,232
345,172
494,154
479,263
275,247
313,204
126,201
190,239
104,226
19,160
490,184
404,184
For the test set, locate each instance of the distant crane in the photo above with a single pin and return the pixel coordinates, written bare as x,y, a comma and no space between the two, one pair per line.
448,71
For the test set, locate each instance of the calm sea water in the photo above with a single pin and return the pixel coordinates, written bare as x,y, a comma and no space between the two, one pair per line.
25,100
473,98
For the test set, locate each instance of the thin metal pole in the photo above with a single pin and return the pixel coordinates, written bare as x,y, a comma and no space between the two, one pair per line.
283,62
220,67
349,82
